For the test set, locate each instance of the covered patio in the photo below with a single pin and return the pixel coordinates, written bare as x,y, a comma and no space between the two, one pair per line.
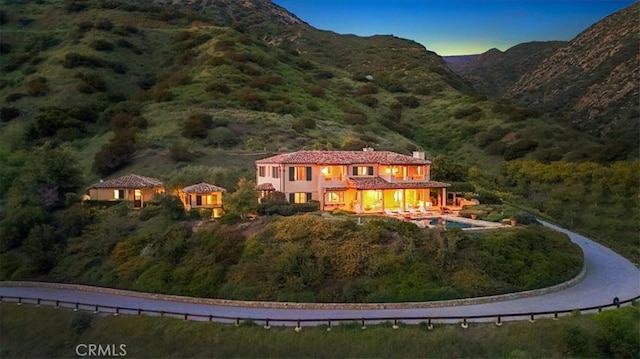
376,195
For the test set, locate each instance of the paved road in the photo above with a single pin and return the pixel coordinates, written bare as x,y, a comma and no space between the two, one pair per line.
608,275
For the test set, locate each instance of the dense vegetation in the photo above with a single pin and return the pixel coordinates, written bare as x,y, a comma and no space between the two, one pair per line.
49,333
299,258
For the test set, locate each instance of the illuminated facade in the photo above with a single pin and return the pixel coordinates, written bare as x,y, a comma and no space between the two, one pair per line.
365,181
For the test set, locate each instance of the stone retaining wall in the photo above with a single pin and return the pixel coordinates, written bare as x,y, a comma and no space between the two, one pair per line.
290,305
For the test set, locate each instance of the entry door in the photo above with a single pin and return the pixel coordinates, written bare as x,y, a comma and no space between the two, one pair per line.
137,199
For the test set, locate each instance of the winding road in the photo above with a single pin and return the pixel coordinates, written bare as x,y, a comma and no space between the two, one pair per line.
608,275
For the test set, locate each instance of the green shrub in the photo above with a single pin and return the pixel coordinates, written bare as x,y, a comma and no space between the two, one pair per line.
303,123
467,111
75,5
287,209
304,64
14,97
368,89
218,88
223,137
92,83
5,48
84,26
73,60
197,125
408,101
104,25
147,81
316,91
101,45
323,75
370,101
251,100
496,148
4,17
519,149
116,153
37,86
8,113
312,106
355,118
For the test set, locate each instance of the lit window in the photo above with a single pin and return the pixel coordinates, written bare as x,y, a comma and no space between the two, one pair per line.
363,171
334,197
118,194
300,197
299,173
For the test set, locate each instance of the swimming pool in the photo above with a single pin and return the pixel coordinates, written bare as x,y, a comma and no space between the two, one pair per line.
433,222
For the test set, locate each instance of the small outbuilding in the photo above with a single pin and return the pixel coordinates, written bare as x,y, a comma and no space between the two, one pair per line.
134,188
203,195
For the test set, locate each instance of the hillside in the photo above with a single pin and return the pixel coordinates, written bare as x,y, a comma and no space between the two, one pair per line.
196,91
593,80
144,87
495,72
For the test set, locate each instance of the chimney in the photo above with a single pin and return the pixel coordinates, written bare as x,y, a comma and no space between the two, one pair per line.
368,149
419,155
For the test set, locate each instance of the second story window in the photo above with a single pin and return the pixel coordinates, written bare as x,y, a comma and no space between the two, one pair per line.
275,172
261,171
299,173
363,171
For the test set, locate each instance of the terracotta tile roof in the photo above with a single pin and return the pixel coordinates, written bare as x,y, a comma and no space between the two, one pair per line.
265,187
381,183
203,187
336,188
129,181
344,158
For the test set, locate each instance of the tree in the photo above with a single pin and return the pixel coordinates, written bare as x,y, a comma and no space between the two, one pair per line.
444,168
243,200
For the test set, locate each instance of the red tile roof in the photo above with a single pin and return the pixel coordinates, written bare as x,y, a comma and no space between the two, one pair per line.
203,188
344,158
265,187
381,183
129,181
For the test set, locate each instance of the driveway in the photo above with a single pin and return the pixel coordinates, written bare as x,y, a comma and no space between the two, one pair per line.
608,275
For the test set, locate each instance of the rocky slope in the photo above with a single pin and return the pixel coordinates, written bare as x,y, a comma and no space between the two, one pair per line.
593,80
495,72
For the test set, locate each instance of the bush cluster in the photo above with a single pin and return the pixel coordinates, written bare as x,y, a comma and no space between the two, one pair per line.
473,111
73,60
197,125
8,113
287,209
91,83
62,123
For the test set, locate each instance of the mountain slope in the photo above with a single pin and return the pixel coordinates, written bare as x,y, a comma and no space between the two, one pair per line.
154,87
495,72
593,80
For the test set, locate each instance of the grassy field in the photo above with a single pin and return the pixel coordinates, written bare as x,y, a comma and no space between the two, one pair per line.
29,332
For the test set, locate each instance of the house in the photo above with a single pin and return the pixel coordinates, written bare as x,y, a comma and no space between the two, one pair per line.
203,195
131,187
365,181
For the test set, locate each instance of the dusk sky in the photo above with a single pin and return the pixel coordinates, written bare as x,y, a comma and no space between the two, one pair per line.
457,27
